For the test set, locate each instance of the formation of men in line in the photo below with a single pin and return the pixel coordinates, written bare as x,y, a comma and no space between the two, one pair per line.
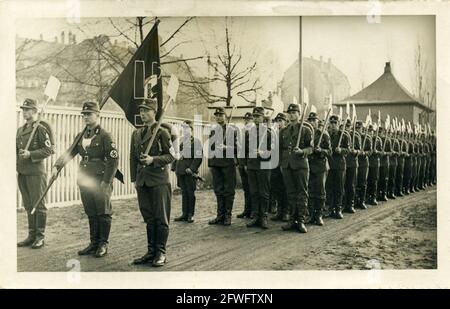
321,171
296,169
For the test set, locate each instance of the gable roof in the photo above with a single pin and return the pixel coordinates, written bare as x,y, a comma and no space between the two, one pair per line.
385,90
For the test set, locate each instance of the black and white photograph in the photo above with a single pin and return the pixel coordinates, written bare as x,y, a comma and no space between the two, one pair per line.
226,143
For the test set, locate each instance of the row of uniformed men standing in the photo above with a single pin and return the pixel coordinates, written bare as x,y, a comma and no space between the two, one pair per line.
348,169
308,174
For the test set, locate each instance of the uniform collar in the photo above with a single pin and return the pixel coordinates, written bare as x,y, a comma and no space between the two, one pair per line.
28,127
94,131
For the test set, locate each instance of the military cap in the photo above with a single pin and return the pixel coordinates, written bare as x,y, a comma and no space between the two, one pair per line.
219,111
149,104
90,107
348,122
334,118
29,104
293,108
312,116
188,123
258,111
248,115
280,116
359,124
381,129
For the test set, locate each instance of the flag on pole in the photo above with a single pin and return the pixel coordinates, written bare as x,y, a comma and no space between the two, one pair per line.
340,113
313,109
355,117
141,79
347,110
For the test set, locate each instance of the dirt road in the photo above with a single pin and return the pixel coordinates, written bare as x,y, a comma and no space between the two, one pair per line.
399,234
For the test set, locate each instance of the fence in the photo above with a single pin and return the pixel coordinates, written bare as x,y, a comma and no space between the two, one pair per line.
67,123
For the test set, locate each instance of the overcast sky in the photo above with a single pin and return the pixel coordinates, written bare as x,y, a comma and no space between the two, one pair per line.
356,46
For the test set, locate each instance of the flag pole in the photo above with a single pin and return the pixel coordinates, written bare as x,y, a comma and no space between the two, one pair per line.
119,174
300,63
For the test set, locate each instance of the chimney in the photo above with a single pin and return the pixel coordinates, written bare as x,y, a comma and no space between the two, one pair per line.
63,37
387,67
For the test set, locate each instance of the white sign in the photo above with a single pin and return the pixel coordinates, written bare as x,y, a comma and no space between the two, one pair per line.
52,88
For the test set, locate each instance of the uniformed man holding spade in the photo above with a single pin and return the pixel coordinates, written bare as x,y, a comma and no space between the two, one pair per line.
31,175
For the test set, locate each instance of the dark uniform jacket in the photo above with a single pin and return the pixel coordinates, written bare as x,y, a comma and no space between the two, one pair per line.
351,160
377,146
366,142
230,135
191,156
318,163
162,152
99,159
395,151
403,147
337,161
387,148
40,148
242,160
264,145
288,139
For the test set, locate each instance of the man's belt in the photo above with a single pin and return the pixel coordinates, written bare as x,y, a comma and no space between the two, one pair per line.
86,159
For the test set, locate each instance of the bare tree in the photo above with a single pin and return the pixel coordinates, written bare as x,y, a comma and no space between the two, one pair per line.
229,73
424,88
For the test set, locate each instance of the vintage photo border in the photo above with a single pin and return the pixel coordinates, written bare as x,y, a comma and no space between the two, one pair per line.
10,278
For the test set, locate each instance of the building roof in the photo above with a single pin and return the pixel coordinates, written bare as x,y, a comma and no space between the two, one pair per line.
385,90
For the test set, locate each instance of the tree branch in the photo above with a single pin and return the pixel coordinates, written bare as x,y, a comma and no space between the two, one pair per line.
182,60
123,34
176,31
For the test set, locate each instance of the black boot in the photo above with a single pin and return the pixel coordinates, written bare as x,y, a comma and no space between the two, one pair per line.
349,209
301,227
319,212
190,218
104,229
290,225
241,215
183,217
31,231
160,260
93,233
382,197
255,222
264,206
338,213
184,207
228,208
41,221
150,255
162,234
220,211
